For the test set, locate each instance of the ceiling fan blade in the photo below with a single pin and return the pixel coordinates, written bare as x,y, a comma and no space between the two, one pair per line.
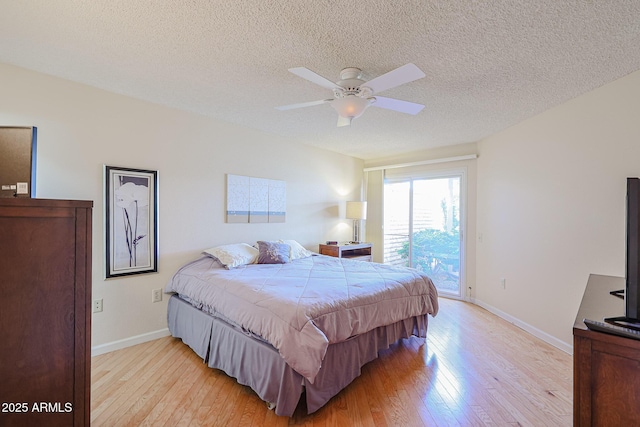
302,104
399,76
397,105
307,74
344,121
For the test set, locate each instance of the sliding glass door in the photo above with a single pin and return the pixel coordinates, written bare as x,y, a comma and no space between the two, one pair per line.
422,227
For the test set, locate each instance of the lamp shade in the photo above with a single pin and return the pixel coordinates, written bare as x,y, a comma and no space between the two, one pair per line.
357,210
350,106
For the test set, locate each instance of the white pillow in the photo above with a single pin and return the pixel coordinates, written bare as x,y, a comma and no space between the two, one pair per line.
297,250
234,255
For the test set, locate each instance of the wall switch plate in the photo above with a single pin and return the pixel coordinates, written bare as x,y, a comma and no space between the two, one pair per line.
156,295
97,305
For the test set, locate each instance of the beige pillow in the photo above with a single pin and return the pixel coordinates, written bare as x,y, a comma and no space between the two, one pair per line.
234,255
297,250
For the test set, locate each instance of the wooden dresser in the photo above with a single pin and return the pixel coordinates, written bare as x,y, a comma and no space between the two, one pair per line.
606,368
45,317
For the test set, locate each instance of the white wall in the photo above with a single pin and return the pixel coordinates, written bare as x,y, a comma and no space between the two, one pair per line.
551,206
80,129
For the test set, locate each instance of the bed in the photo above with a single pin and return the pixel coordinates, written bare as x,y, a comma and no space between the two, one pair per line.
283,320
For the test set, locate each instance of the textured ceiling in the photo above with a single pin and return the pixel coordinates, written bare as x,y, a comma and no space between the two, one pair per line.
488,64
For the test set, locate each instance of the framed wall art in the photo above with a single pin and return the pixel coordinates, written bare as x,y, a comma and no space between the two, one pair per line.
131,221
255,200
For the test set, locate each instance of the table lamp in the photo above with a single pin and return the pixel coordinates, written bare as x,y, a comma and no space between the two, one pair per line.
356,211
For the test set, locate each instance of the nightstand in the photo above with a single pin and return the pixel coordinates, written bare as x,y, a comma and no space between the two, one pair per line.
359,251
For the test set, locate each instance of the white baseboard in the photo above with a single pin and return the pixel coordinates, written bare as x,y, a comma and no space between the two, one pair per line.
549,339
128,342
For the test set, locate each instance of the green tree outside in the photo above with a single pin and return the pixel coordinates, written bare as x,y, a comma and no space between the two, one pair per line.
436,252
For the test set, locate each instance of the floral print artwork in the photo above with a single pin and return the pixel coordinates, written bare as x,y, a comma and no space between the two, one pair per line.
133,202
131,221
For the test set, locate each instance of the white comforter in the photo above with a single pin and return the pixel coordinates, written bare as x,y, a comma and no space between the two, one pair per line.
303,306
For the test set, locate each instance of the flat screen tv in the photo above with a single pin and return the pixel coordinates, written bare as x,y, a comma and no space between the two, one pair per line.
632,276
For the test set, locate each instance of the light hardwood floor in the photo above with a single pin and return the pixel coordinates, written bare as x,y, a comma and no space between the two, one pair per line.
474,369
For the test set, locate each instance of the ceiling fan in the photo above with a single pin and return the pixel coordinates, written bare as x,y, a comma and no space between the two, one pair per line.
352,95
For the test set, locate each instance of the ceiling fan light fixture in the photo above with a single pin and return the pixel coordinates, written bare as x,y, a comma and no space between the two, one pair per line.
350,106
352,95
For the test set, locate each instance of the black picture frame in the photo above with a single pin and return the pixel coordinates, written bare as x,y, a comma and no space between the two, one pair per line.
131,221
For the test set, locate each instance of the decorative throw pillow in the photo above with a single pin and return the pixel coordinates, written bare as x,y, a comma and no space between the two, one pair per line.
273,253
297,250
234,255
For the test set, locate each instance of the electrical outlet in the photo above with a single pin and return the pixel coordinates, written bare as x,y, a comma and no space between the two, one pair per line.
156,295
503,283
22,188
97,305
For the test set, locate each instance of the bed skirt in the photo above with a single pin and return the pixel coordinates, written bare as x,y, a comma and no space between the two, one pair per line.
257,364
